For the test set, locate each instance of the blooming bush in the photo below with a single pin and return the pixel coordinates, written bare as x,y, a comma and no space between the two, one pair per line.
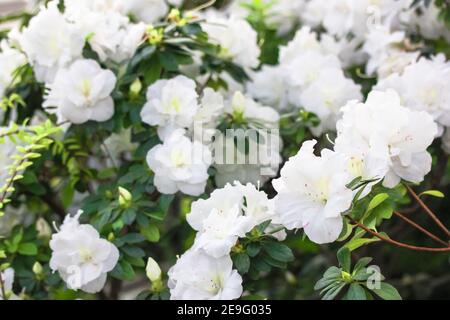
229,149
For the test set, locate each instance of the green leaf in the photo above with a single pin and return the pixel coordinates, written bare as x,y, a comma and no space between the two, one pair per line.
325,282
273,262
165,201
387,292
152,70
362,263
346,231
355,292
361,274
359,242
260,264
253,249
263,226
133,251
28,249
344,258
241,262
129,216
133,238
151,233
377,200
123,271
332,272
278,251
433,193
168,61
333,291
137,262
383,211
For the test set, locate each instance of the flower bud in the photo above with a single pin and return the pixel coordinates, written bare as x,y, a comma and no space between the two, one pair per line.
135,88
125,198
43,228
153,270
37,268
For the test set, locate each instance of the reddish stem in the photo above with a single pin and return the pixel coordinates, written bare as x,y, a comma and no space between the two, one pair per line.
423,230
397,243
428,211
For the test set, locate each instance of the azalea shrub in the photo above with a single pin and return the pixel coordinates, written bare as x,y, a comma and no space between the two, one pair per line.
247,149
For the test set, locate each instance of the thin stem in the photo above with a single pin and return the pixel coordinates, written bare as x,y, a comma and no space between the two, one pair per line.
10,182
397,243
423,230
428,211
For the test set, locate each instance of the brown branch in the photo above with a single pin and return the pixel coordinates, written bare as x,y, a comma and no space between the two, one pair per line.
428,211
397,243
420,228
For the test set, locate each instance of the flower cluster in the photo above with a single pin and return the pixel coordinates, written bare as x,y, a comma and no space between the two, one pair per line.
186,123
310,76
313,191
80,256
220,221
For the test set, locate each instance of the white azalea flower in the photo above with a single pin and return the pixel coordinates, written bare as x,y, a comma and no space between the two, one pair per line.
109,32
269,86
312,193
228,214
397,134
237,39
54,48
426,22
180,165
343,17
95,5
424,86
80,256
305,70
245,108
363,160
198,276
10,60
206,119
305,40
383,48
82,93
171,104
219,221
327,95
148,11
282,14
